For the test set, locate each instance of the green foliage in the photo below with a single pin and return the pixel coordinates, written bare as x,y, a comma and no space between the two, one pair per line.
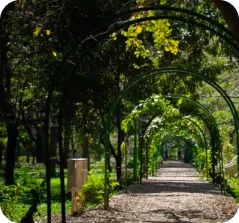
200,160
233,187
93,190
16,200
9,197
227,151
3,142
23,165
126,178
12,196
153,161
149,39
130,163
98,166
152,105
22,159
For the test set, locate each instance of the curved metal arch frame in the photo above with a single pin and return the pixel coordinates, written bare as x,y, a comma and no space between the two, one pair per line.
215,143
205,142
214,127
176,137
196,127
201,131
179,140
182,15
161,71
197,16
186,118
108,28
141,147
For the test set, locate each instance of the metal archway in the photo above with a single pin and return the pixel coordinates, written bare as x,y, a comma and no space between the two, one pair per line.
176,138
121,20
100,34
213,130
171,71
207,124
196,128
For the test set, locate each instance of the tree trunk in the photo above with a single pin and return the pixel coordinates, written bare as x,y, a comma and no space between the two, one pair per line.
85,150
230,15
53,147
12,132
5,100
66,146
34,156
40,152
28,156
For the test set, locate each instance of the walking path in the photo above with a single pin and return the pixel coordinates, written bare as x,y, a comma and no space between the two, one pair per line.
176,195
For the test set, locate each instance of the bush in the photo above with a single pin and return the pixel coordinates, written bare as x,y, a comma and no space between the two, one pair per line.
22,164
200,160
128,177
93,190
130,163
233,188
16,200
10,196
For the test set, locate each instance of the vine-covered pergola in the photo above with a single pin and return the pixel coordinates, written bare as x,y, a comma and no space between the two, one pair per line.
171,71
90,42
209,121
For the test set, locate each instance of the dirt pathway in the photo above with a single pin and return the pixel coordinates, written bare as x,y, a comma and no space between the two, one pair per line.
175,195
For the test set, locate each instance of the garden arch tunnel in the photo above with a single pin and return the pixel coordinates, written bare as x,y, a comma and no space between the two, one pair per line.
158,140
209,121
196,127
93,38
172,71
177,140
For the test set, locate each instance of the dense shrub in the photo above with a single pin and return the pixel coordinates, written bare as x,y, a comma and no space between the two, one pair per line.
200,160
10,196
22,164
233,188
93,190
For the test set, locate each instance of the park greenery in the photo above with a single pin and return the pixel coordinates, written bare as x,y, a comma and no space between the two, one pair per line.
62,68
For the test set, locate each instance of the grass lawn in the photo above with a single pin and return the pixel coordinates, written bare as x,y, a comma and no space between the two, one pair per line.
15,200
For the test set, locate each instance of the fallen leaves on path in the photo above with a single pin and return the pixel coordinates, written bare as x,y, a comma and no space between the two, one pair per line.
169,197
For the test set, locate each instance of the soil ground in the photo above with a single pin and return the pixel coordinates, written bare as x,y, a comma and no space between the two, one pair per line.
175,194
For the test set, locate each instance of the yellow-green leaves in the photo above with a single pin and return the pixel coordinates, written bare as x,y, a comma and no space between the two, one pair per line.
172,46
48,32
22,3
149,39
113,36
54,53
180,101
139,29
37,31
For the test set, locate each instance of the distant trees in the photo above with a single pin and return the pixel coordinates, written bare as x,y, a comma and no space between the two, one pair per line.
50,71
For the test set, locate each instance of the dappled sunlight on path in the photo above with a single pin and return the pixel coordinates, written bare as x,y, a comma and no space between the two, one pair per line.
176,194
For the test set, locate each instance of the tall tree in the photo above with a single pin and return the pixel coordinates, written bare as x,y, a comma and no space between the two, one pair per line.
5,98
